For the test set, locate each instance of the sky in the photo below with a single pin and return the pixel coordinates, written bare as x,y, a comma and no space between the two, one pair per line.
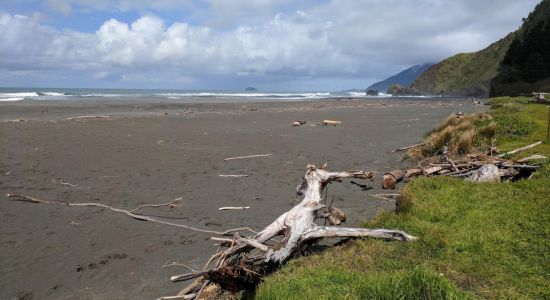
276,45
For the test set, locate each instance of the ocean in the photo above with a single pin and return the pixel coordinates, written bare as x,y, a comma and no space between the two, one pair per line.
68,94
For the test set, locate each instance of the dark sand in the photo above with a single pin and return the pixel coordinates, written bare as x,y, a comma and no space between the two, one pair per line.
140,155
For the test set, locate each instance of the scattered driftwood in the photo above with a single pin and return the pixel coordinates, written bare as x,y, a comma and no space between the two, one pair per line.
479,167
385,196
538,97
233,207
431,170
86,117
233,175
298,123
413,172
331,122
14,121
409,147
520,149
530,158
61,182
242,261
390,179
248,156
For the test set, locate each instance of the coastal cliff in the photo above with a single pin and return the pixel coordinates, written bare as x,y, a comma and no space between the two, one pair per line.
526,65
464,74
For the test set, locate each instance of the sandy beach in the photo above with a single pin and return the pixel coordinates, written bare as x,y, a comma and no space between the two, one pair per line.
154,152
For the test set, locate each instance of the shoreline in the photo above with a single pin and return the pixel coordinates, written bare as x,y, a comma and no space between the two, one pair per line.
144,156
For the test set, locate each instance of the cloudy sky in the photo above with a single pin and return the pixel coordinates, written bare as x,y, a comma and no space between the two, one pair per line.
231,44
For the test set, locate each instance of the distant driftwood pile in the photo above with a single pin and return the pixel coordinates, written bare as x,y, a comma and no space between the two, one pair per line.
474,167
241,261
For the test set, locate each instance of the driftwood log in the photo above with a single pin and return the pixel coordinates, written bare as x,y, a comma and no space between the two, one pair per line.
390,179
242,261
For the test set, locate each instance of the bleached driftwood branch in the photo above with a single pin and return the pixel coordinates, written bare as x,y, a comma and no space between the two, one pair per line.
86,117
409,147
233,207
131,213
248,156
520,149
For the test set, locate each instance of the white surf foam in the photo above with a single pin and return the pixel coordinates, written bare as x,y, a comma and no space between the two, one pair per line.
17,95
247,95
55,94
12,99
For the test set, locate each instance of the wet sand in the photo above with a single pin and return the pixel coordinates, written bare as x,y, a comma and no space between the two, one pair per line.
155,152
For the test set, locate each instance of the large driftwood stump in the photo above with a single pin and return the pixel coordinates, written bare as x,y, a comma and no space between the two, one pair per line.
246,259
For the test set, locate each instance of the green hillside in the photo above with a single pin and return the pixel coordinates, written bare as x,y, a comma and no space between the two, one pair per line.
466,74
526,65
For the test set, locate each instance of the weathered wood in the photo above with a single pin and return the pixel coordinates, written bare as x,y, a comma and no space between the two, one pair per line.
331,122
520,149
413,172
233,269
532,157
233,207
431,170
248,156
385,196
527,167
131,213
390,179
86,117
409,147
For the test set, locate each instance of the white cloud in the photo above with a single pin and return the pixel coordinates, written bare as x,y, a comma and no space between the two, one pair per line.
26,44
338,39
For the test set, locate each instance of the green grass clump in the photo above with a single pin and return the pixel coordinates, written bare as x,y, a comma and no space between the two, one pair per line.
520,123
513,117
461,135
476,240
312,283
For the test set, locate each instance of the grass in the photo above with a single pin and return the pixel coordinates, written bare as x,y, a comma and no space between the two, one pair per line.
483,240
460,134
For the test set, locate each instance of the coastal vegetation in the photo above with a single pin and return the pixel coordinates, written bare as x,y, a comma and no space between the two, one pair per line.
526,66
466,74
516,65
476,240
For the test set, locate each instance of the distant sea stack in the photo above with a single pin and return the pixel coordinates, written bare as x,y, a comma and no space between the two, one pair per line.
464,74
526,65
251,89
403,78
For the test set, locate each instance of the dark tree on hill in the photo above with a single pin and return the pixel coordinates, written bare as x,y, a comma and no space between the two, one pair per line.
526,65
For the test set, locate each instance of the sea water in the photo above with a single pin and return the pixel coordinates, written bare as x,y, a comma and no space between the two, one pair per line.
68,94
